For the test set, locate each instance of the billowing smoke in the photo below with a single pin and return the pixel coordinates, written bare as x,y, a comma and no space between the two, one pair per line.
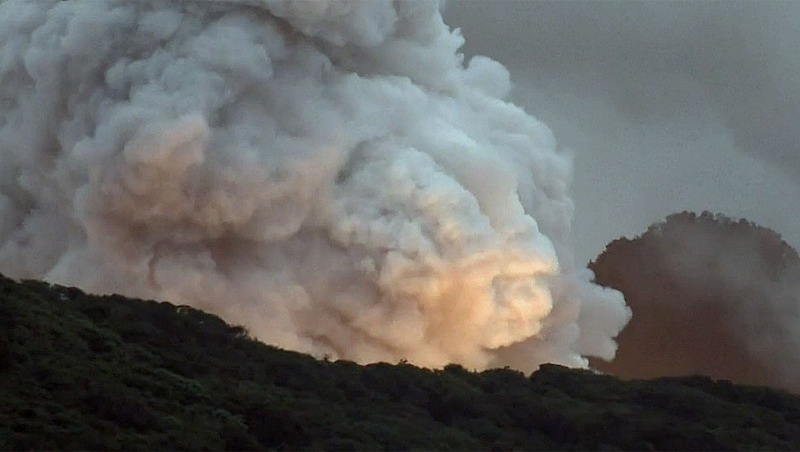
330,174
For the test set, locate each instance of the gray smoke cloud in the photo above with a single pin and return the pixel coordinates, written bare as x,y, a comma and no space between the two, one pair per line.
330,174
667,106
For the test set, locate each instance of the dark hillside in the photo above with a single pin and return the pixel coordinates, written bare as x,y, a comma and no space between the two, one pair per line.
709,295
110,373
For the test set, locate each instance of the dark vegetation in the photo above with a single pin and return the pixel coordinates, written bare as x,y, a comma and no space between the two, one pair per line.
109,373
710,295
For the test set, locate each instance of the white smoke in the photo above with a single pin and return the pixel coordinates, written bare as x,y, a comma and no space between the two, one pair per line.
329,174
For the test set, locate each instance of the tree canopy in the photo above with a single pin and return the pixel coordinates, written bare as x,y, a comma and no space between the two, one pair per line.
110,373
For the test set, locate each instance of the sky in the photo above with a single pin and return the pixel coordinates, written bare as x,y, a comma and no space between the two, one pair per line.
664,106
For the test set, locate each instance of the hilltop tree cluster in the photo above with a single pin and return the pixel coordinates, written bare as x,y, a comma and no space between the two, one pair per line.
710,295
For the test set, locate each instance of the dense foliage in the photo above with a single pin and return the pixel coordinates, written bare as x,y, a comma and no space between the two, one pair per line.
88,372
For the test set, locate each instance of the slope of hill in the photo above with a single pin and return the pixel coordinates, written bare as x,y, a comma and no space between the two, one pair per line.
709,295
87,372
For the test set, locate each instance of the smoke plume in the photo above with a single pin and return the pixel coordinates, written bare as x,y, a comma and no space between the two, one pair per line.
330,174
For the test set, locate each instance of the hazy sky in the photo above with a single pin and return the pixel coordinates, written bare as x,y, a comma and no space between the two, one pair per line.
666,105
